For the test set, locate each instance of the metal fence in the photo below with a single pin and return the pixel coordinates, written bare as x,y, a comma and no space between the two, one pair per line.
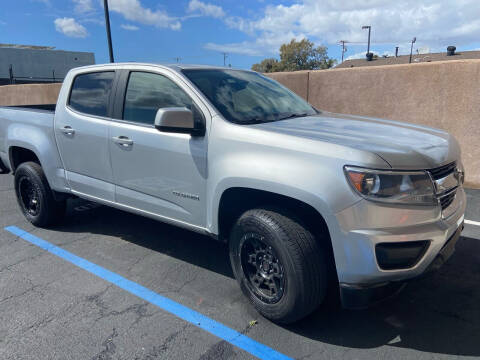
12,79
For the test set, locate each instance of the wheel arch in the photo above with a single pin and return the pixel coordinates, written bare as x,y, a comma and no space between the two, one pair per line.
29,143
234,201
20,154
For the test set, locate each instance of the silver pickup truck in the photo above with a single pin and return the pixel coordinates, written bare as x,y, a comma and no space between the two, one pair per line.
309,202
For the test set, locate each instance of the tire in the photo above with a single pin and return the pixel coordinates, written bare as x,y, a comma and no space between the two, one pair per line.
35,197
3,168
292,267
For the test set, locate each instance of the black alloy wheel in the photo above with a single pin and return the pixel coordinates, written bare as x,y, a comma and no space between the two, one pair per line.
29,196
35,197
280,266
262,269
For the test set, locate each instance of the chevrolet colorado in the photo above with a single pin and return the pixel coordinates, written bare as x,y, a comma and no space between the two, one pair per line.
307,200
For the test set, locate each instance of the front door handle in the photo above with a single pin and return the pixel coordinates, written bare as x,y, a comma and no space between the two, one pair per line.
123,140
67,130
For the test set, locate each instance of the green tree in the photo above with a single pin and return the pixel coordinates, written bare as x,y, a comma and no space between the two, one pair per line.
297,55
266,66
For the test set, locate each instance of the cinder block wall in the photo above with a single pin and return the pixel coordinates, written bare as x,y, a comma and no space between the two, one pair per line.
444,95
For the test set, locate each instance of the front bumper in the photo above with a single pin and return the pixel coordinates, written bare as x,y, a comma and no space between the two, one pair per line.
363,296
365,224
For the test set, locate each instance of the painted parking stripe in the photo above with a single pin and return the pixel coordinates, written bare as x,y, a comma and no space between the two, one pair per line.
470,222
224,332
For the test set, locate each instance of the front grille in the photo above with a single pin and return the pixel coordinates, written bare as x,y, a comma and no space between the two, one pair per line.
442,171
446,200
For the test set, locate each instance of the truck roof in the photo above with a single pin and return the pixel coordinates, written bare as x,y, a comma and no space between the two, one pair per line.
175,66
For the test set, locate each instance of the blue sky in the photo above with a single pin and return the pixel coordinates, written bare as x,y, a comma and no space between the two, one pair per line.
199,31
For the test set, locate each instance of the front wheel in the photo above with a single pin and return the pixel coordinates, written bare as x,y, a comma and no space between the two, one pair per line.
279,265
35,197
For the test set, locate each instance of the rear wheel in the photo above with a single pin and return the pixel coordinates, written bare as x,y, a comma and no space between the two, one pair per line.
35,197
278,263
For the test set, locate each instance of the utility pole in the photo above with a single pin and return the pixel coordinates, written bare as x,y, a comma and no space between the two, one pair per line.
369,30
411,49
344,49
177,59
225,55
109,34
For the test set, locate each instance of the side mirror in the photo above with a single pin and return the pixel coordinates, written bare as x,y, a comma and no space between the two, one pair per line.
175,119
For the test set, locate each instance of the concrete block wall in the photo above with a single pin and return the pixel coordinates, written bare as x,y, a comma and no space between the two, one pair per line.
443,95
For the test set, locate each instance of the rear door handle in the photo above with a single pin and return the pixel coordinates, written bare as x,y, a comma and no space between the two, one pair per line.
123,140
67,130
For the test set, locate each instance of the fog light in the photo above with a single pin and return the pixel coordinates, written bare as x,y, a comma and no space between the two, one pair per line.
404,255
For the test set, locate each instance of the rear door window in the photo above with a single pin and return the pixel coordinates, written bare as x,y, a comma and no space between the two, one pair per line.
90,93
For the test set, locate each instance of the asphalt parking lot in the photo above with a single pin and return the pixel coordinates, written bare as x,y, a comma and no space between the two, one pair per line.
52,309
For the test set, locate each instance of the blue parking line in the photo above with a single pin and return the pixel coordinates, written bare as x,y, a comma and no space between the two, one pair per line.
213,327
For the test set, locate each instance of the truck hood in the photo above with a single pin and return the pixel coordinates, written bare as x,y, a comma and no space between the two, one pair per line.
401,145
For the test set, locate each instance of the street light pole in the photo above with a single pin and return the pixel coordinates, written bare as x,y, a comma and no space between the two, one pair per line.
109,34
369,30
411,49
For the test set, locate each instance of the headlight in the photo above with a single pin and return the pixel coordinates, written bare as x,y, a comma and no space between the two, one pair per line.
407,187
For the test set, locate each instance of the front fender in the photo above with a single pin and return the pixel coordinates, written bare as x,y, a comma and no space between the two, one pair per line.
264,185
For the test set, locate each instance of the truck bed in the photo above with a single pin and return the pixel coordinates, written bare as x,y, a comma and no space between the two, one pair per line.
18,123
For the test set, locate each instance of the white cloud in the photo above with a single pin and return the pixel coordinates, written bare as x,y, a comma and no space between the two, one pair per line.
238,48
239,23
176,25
83,6
134,11
70,27
129,27
259,47
205,9
434,23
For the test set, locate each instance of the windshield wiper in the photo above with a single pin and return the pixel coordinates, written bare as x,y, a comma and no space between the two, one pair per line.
255,120
259,120
293,115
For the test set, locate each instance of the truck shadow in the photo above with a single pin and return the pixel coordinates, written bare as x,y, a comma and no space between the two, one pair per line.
185,245
437,314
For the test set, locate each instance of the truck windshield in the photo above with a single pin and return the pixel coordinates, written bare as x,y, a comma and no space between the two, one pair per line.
246,97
